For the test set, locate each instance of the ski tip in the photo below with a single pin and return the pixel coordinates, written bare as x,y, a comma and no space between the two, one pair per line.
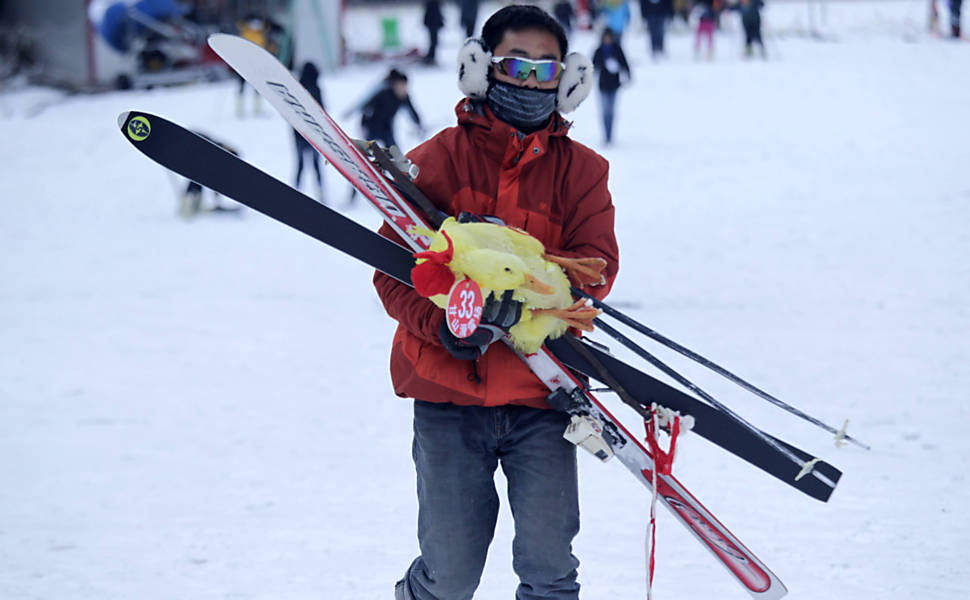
213,39
221,41
122,118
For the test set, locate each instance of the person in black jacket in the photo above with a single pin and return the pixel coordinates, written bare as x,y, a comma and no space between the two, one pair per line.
469,16
955,6
751,21
309,75
610,63
656,13
433,21
377,113
564,12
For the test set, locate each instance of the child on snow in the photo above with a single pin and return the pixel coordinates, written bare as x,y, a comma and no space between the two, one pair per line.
611,65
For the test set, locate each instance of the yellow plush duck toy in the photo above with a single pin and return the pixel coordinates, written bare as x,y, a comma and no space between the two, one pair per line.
500,258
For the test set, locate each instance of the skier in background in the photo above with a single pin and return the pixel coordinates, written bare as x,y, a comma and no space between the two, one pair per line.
564,11
611,66
655,14
433,22
477,405
616,15
750,11
469,16
706,24
682,9
255,29
955,6
280,43
309,76
378,111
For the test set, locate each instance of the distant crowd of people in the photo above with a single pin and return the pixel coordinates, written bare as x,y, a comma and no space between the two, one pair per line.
658,15
613,17
378,108
612,69
610,62
616,15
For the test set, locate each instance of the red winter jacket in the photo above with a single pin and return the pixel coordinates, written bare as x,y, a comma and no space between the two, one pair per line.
544,183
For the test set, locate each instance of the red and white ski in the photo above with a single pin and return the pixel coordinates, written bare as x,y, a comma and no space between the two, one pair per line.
278,86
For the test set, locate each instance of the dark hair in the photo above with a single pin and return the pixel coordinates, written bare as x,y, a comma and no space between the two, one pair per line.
395,75
519,17
309,72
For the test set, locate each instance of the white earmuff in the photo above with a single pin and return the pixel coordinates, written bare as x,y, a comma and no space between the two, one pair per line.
473,64
575,83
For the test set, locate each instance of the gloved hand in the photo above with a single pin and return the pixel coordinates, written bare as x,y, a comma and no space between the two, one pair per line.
471,347
498,314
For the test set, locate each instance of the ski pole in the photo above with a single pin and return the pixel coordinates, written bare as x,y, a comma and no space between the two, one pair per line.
806,466
629,321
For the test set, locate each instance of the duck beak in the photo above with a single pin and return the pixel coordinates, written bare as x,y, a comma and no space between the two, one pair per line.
531,283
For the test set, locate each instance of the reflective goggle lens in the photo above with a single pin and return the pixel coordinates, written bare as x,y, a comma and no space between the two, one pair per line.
520,68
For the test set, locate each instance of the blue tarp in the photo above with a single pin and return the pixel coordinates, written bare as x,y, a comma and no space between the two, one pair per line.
117,28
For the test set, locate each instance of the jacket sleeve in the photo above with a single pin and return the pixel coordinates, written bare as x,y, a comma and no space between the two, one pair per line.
414,113
588,228
623,63
414,312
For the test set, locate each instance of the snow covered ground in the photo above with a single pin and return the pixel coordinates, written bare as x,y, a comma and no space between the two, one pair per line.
202,409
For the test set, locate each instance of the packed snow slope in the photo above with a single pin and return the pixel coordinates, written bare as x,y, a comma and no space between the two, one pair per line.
201,409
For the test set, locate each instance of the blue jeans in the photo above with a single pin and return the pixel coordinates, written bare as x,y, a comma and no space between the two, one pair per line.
608,110
456,451
656,24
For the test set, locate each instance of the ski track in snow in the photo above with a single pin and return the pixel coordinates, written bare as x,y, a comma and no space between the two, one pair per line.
202,409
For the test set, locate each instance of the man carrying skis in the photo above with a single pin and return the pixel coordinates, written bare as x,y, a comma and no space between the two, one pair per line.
476,403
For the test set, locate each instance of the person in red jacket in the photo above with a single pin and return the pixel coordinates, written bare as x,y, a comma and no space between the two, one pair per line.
476,404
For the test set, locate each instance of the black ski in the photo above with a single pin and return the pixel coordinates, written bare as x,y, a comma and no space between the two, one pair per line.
193,157
709,422
209,165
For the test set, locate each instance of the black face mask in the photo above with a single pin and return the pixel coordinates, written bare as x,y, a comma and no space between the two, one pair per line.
526,109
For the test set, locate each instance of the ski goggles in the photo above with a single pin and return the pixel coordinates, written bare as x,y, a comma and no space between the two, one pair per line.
521,68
